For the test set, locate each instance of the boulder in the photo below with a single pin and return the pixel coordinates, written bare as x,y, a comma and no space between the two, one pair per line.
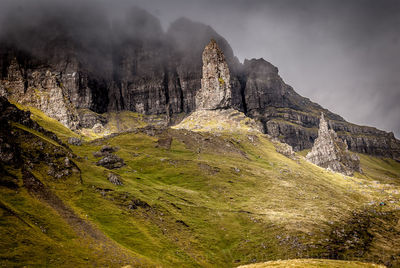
111,161
114,179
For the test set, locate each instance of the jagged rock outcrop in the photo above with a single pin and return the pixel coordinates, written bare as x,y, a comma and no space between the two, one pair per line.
186,59
109,160
67,67
294,119
9,113
42,89
20,148
114,178
215,92
331,152
285,149
214,98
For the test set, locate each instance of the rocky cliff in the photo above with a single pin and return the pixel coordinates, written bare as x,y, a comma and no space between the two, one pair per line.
331,152
64,65
213,100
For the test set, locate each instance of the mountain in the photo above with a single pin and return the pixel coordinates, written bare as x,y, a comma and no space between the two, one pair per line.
124,146
66,64
183,199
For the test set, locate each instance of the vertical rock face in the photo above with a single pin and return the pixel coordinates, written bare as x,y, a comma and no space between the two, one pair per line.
331,152
41,89
263,86
186,59
215,92
65,62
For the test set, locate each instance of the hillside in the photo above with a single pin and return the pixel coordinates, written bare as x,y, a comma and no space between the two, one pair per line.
311,263
187,199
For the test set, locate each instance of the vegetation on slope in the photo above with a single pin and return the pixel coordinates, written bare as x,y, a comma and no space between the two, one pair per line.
197,199
312,263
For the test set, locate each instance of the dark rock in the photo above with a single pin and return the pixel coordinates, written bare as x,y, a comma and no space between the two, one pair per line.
137,203
10,113
140,68
108,149
88,119
111,161
105,151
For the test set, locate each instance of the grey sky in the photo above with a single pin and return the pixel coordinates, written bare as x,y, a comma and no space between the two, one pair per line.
342,54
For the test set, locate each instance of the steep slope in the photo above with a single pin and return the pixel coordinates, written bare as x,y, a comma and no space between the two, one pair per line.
39,227
190,199
312,263
86,62
294,119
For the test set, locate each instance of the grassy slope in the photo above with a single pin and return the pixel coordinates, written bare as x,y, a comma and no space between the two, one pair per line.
213,201
312,263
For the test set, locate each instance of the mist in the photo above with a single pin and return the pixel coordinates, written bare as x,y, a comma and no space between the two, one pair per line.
344,55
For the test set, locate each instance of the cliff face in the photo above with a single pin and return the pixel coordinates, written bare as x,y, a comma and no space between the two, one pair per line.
294,119
133,65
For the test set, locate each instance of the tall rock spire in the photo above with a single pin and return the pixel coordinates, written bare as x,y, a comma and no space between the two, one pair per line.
215,92
330,152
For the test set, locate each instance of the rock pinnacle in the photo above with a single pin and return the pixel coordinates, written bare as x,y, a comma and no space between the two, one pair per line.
331,152
215,92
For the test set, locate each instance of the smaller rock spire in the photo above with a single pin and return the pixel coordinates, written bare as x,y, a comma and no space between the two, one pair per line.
323,125
331,152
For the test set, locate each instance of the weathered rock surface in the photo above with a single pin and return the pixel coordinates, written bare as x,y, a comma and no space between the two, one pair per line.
88,119
40,88
285,149
75,141
52,64
294,119
215,92
114,179
111,161
23,149
331,152
10,113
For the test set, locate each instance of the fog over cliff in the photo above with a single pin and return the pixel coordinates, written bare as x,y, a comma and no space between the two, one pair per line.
345,55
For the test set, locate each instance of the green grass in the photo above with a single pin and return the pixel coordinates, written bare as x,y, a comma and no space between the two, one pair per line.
48,123
312,263
213,200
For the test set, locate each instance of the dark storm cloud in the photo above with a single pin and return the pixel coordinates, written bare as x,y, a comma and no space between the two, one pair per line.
344,55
